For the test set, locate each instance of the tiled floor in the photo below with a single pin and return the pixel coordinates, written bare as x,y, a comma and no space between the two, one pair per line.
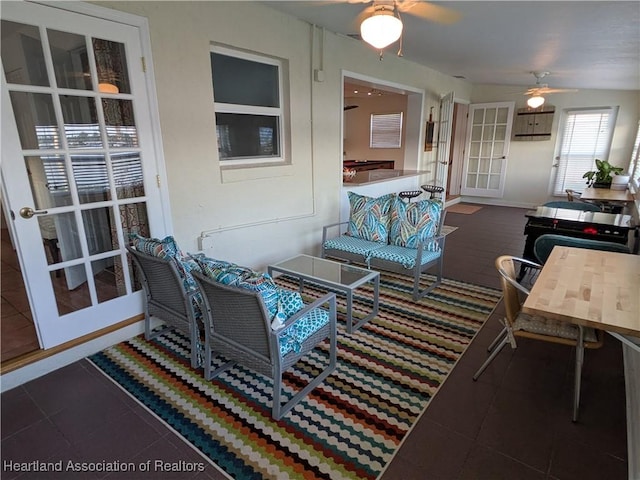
18,332
513,423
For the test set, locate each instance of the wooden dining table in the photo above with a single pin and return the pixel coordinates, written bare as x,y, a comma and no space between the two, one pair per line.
591,194
598,289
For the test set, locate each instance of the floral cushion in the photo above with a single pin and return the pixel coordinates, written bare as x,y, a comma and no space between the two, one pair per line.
288,304
168,248
295,335
414,222
279,302
369,217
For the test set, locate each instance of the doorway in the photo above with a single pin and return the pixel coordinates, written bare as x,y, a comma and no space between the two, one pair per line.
79,166
19,335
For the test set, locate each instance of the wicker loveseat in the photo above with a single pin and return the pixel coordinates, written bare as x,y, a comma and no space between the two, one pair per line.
390,234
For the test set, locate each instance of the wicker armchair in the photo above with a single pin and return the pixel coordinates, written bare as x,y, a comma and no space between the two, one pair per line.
167,299
237,326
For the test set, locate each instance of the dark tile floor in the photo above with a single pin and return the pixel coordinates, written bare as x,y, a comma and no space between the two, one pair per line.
513,423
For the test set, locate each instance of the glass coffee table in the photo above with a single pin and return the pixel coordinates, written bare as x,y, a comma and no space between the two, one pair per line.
335,275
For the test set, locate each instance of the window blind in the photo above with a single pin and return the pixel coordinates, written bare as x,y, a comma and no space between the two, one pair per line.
586,136
386,130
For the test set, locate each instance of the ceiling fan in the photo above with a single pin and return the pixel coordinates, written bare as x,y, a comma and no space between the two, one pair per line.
536,92
380,23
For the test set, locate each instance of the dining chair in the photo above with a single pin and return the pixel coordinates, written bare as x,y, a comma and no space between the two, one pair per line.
572,195
587,207
518,324
544,244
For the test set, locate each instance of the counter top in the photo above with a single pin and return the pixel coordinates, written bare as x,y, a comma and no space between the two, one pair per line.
382,175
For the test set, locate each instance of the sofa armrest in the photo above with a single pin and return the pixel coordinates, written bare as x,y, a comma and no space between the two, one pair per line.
326,228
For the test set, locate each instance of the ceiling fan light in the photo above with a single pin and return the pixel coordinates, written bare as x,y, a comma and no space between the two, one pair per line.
381,29
535,101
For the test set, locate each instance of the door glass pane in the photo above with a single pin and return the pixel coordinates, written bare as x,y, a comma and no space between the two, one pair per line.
121,127
70,297
483,181
36,120
484,165
501,132
111,64
473,165
478,116
70,60
494,182
474,150
488,132
80,122
496,166
471,181
92,179
22,55
109,278
48,181
99,229
476,133
63,229
134,219
490,116
503,115
486,149
127,174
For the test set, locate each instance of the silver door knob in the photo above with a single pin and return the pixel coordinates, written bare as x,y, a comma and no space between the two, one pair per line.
28,212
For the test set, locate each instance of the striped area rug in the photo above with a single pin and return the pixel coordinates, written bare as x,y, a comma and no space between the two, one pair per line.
347,428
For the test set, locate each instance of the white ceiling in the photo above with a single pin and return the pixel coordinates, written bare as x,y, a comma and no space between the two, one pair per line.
583,44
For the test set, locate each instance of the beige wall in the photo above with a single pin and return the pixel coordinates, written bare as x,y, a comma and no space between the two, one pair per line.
529,166
256,216
259,215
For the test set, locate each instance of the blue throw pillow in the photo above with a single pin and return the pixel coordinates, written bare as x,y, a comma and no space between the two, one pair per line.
414,222
369,217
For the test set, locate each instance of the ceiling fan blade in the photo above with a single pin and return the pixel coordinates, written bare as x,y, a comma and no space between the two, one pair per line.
560,90
429,11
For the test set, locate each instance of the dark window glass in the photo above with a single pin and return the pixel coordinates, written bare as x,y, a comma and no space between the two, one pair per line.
244,82
241,135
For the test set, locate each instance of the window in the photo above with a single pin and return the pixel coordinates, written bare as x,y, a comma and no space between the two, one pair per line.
586,136
386,130
248,105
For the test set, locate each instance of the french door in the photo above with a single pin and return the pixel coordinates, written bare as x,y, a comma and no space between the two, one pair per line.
485,159
444,141
78,169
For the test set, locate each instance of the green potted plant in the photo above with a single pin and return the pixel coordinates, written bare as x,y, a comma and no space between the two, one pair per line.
602,176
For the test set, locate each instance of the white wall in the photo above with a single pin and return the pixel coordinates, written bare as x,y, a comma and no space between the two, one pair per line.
529,165
260,215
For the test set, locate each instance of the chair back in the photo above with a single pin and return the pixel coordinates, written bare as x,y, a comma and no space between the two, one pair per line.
587,207
506,266
544,244
572,195
161,282
235,316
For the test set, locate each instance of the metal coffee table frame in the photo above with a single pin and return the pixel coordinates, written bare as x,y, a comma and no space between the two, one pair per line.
339,276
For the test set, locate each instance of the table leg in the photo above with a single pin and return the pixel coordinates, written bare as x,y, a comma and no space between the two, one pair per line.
374,310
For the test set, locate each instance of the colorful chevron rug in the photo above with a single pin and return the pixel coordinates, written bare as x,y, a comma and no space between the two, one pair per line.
347,428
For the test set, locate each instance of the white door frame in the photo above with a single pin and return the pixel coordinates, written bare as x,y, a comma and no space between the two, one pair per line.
31,243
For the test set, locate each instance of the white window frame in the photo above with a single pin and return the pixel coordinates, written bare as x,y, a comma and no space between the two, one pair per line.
563,180
385,130
278,112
